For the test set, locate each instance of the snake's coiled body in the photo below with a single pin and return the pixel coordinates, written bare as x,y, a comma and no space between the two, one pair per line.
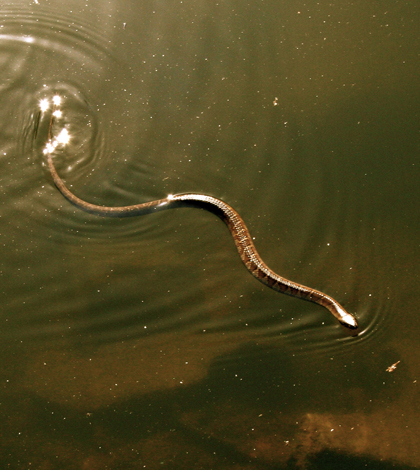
238,229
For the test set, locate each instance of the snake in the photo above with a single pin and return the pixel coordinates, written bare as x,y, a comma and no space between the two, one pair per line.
239,231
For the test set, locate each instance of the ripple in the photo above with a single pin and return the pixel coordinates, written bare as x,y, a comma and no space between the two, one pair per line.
45,52
68,56
55,31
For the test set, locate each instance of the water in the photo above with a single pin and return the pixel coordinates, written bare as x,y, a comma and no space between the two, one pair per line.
144,343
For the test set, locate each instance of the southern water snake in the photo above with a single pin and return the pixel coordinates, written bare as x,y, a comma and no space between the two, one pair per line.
238,230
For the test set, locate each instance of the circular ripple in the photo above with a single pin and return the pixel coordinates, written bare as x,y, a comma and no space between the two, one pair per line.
46,52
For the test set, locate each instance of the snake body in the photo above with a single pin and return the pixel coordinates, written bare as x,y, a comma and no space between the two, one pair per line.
238,230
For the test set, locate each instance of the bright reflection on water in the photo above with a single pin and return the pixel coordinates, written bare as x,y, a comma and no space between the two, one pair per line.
143,342
63,137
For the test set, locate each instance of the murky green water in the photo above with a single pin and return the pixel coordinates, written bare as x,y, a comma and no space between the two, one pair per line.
144,343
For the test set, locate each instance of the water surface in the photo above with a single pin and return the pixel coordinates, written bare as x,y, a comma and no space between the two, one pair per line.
144,343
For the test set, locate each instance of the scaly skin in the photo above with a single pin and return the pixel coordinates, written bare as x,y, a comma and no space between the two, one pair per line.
238,230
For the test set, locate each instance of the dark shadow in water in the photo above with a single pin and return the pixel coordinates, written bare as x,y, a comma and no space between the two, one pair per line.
213,421
327,459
